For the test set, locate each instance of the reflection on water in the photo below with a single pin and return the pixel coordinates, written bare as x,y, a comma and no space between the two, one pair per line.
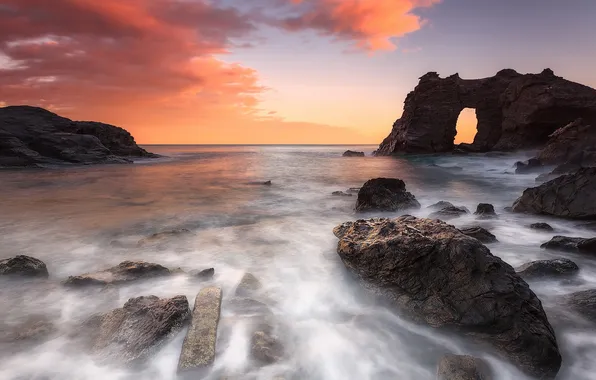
83,219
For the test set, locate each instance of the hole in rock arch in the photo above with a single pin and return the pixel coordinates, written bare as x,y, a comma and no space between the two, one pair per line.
466,126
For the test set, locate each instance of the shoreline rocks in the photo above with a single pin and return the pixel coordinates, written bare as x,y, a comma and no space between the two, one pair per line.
385,194
547,268
437,275
23,266
126,271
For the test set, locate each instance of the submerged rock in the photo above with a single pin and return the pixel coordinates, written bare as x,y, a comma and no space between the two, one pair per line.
248,285
571,244
485,211
437,275
33,328
570,196
548,268
449,212
341,194
160,237
205,274
385,194
131,334
479,233
265,347
198,349
351,153
541,227
24,266
440,205
463,367
583,303
531,166
126,271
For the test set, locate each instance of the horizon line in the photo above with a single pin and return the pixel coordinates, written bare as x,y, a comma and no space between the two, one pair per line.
257,144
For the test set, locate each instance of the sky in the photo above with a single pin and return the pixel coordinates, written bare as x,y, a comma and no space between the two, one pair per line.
273,71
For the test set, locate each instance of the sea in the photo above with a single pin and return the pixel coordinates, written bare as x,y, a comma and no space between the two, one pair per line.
84,219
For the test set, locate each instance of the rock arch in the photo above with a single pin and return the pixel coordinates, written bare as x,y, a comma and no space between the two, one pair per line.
514,111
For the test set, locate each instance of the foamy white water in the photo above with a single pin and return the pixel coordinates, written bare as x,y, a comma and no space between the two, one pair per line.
70,219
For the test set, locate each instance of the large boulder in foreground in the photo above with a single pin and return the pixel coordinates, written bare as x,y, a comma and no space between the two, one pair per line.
437,275
24,266
131,334
569,196
385,194
126,271
463,367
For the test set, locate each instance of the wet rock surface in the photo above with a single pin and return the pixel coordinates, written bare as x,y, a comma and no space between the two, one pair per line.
485,211
479,233
385,194
126,271
133,333
571,244
437,275
351,153
463,367
568,145
554,268
23,266
570,196
440,205
541,227
449,212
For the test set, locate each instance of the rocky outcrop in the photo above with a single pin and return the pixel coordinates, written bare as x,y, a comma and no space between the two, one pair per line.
131,334
575,138
440,205
385,194
569,196
126,271
514,111
35,137
571,244
462,367
480,234
351,153
449,212
485,211
435,274
24,266
548,268
583,303
198,349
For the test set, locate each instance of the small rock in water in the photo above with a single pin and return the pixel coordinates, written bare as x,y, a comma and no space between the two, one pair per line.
353,190
583,303
248,306
463,367
385,194
485,211
449,212
440,205
548,268
198,349
265,183
351,153
205,274
126,271
24,266
530,166
541,226
265,346
341,194
571,244
479,233
33,328
248,285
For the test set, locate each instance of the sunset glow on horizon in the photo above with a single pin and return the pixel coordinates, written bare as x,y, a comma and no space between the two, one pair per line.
272,71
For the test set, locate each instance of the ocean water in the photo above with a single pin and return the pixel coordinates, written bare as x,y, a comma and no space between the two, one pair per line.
89,218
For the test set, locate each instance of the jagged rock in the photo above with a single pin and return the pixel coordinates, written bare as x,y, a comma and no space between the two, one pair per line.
160,237
32,136
385,194
449,212
583,303
351,153
131,334
265,347
573,139
341,194
514,111
24,266
547,268
435,274
541,227
198,349
571,244
33,328
462,367
479,233
485,211
440,205
248,285
571,196
126,271
531,166
205,274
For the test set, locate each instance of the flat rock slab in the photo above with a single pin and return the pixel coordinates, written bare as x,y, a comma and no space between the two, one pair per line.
24,266
198,349
126,271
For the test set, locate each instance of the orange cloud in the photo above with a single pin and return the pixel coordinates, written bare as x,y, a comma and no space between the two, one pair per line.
371,24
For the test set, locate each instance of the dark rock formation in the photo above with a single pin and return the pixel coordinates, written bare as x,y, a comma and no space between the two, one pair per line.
131,334
542,227
353,190
437,275
547,268
204,274
569,196
351,153
198,349
571,140
462,367
485,211
479,233
514,111
22,265
385,194
341,194
126,271
449,212
583,303
531,166
571,244
34,137
248,285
